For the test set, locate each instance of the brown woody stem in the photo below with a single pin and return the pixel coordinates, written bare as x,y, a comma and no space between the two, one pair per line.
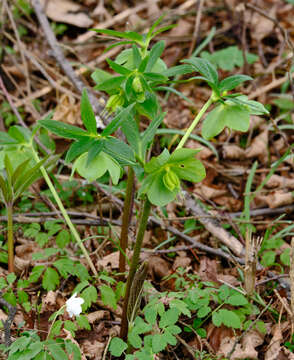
134,265
127,216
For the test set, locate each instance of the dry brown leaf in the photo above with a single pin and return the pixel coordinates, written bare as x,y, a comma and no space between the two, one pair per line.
66,11
21,264
274,348
209,192
280,181
26,250
49,301
93,350
279,198
208,269
261,26
233,152
110,261
181,261
258,147
158,267
3,316
67,110
97,315
245,350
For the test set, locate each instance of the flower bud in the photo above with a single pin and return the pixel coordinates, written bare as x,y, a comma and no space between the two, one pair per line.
137,85
113,102
171,180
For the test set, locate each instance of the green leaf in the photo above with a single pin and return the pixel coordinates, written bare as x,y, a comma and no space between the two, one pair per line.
226,317
11,278
89,295
78,147
205,68
237,300
120,151
136,56
154,54
131,131
98,167
157,162
285,257
108,296
150,315
70,326
100,76
117,346
62,129
20,133
111,85
36,272
254,107
5,139
170,317
56,351
87,114
203,311
64,266
130,35
83,322
94,150
158,343
231,82
235,117
118,120
149,133
268,258
62,239
178,70
50,279
118,68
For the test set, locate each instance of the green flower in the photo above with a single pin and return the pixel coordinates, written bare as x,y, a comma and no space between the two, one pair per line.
165,171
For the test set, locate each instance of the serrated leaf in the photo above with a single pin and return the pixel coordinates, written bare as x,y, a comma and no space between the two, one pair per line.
56,351
78,147
158,343
108,296
203,311
179,70
236,300
50,279
83,322
120,151
5,139
150,315
285,257
205,68
170,317
268,258
87,114
117,346
70,326
89,295
62,239
62,129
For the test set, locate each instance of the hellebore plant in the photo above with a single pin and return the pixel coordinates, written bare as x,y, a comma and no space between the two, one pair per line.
140,74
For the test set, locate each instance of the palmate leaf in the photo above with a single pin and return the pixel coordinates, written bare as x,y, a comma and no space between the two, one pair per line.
233,81
5,139
154,54
118,68
78,147
117,120
112,84
21,134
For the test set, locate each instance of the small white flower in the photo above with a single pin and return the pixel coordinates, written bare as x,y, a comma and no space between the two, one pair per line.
73,305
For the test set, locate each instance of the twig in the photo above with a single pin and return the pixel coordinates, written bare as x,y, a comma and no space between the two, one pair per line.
214,227
7,323
67,68
199,6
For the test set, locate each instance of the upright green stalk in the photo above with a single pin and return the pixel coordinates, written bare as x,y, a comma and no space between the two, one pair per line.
65,215
195,121
134,265
10,238
127,216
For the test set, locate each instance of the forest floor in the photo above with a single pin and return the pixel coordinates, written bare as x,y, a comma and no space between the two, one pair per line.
252,38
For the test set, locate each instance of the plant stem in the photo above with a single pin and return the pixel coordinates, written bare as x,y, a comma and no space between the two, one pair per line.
127,215
59,312
135,260
195,121
10,238
65,215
